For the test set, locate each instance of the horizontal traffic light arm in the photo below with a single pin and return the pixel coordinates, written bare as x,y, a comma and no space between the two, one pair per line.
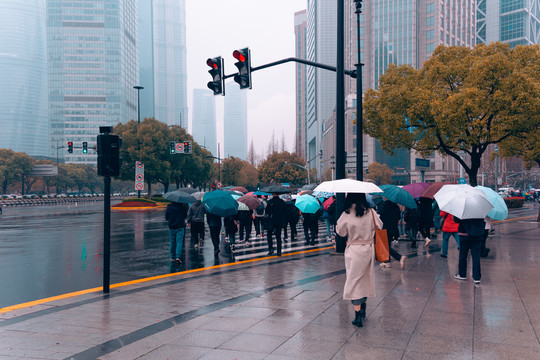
351,73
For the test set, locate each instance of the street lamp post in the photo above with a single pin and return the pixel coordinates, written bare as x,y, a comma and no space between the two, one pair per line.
139,88
359,131
219,162
302,167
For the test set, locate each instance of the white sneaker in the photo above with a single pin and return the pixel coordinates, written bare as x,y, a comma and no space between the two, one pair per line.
395,242
385,264
428,241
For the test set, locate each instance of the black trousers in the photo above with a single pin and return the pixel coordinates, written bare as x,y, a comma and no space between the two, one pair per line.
294,232
197,230
313,229
214,235
245,227
257,222
277,232
473,243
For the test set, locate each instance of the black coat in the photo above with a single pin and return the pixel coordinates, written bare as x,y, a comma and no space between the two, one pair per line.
176,215
390,214
276,211
292,212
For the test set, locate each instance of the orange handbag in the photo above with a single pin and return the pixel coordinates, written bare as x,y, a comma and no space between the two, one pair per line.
382,252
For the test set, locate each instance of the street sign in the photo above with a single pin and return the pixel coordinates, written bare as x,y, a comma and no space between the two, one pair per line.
422,163
219,185
179,147
139,175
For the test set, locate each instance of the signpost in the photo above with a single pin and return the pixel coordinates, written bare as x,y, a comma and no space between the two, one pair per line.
139,176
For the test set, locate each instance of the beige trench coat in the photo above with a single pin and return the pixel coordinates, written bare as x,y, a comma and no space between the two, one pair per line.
359,253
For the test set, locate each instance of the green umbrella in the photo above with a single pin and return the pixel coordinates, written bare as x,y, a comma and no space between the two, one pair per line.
179,197
220,203
398,195
307,204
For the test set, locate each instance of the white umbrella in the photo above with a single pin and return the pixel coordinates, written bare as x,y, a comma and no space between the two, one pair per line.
348,186
463,201
198,195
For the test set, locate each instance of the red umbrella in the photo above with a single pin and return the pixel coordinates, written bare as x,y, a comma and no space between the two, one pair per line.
251,193
328,202
416,189
433,188
242,189
251,202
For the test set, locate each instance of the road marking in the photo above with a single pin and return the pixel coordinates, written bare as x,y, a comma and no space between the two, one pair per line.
143,280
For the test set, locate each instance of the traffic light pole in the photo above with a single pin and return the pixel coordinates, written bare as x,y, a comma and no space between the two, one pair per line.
106,233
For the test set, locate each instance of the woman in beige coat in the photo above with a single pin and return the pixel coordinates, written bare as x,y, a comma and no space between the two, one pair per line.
358,223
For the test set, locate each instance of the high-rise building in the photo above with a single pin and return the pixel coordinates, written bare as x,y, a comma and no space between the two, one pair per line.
24,118
235,122
300,27
204,120
93,66
398,32
320,84
516,22
162,54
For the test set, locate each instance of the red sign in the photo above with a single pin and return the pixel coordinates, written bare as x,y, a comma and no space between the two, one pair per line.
139,164
180,147
219,185
139,177
139,186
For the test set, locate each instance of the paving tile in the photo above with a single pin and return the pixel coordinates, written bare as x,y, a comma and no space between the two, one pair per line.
250,312
321,332
314,295
489,351
254,342
440,345
171,351
228,324
276,327
308,349
362,351
504,334
418,355
221,354
204,338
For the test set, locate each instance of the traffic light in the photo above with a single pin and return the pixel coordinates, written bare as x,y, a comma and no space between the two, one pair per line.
217,85
84,147
70,147
243,78
172,147
108,149
187,147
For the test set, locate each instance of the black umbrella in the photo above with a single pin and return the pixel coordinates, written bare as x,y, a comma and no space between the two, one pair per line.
276,189
179,197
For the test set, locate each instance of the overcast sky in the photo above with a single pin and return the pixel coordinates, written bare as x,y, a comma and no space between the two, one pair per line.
218,27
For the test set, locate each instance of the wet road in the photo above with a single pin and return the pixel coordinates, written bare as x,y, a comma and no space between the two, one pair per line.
51,250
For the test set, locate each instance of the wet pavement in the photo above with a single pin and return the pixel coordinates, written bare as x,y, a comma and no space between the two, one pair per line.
291,308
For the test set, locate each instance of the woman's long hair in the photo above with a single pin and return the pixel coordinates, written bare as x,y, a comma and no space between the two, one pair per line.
360,202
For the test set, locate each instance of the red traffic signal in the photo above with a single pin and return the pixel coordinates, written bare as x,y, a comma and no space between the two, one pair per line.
70,147
217,85
243,78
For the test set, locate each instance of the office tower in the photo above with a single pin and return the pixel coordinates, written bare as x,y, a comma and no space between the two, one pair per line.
93,66
320,84
300,27
162,52
24,120
516,22
204,120
235,122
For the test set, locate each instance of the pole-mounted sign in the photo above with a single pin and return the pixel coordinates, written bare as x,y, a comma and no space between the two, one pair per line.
139,176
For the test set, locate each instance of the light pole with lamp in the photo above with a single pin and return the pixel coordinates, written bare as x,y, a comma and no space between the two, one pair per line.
139,88
219,162
302,167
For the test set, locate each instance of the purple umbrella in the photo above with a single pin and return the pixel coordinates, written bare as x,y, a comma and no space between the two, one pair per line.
416,189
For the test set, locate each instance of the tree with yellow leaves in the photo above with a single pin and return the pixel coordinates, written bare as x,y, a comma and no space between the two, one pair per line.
462,99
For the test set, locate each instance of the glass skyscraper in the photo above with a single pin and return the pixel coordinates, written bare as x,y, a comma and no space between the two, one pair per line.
235,122
24,116
516,22
93,66
204,120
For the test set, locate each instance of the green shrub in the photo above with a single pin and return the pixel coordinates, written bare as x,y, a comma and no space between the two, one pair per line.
159,198
514,202
140,200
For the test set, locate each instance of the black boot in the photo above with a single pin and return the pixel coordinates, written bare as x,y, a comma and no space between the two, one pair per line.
363,310
357,319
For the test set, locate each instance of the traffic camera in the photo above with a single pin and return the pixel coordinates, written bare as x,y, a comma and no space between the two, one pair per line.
243,78
217,85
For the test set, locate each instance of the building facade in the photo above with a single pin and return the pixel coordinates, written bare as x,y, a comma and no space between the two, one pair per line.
93,66
235,122
516,22
24,114
300,27
204,120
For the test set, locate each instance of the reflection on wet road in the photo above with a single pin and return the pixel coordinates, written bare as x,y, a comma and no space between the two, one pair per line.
57,249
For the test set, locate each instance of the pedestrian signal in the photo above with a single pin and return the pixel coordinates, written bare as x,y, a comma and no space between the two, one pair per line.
172,147
217,85
243,78
85,147
187,147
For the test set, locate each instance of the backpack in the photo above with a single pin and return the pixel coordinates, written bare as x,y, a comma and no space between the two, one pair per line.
260,210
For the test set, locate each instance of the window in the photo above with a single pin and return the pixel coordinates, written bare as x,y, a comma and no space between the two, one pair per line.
430,21
430,34
430,8
430,47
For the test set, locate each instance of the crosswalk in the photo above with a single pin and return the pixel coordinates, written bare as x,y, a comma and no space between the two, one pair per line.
257,247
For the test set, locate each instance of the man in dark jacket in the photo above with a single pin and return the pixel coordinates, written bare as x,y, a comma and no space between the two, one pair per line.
245,219
470,238
411,218
195,218
176,217
425,222
276,211
390,216
214,224
311,225
292,219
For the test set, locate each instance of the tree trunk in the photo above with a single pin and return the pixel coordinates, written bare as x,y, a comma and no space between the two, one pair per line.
149,189
473,170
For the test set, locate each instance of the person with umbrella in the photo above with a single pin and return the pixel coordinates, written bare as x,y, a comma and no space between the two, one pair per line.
175,214
195,219
390,215
258,217
449,228
311,225
470,238
277,218
292,219
245,221
214,224
426,218
358,223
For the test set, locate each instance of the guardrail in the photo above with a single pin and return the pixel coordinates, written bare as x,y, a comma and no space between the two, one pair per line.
51,201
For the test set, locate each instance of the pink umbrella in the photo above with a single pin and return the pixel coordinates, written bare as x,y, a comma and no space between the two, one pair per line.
250,193
328,202
433,188
416,189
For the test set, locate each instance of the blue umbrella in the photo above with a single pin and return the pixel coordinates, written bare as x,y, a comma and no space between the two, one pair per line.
500,210
307,204
398,195
263,193
220,203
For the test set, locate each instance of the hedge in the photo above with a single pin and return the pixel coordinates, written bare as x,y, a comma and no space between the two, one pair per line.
514,202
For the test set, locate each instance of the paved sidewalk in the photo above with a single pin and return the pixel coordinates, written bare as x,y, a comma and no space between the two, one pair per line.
291,308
